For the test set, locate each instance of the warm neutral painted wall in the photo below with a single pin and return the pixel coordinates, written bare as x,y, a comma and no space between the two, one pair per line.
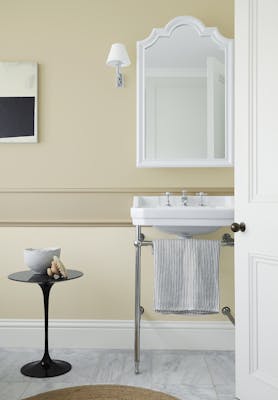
86,126
106,256
83,171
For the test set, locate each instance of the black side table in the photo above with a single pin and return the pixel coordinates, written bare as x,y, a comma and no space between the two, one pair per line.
46,367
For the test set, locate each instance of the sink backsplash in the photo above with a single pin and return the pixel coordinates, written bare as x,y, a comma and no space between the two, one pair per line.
177,201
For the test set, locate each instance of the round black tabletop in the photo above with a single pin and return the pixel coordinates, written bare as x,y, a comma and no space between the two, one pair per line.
29,276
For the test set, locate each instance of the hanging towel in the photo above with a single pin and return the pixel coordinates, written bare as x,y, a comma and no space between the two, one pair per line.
186,276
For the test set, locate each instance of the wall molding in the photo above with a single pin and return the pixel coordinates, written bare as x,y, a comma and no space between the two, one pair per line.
64,224
188,335
118,190
85,207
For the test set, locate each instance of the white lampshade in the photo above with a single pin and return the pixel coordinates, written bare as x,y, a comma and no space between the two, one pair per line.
118,56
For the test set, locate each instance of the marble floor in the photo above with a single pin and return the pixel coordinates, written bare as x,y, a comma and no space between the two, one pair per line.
188,375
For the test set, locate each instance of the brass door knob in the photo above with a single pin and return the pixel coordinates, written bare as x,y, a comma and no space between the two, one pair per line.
235,227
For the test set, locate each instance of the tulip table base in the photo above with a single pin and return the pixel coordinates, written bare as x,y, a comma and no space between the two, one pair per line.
42,369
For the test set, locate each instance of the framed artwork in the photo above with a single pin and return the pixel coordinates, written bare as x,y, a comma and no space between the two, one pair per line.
18,102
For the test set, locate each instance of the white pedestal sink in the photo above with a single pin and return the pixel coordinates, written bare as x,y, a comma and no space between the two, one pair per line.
183,220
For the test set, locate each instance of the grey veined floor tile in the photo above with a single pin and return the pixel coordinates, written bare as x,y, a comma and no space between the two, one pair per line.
12,390
181,367
118,367
12,361
187,375
221,365
188,392
36,387
225,390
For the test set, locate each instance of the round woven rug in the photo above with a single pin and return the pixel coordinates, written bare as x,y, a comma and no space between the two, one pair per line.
102,392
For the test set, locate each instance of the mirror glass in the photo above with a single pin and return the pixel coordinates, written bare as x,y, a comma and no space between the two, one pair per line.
184,96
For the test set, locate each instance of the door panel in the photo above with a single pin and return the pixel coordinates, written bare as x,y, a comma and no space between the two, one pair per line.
263,278
263,102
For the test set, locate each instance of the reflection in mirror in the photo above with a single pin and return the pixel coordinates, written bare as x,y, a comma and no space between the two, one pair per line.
184,96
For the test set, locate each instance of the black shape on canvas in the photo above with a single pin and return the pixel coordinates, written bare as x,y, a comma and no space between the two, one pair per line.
17,116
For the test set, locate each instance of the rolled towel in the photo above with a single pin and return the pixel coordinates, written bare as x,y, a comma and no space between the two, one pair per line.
186,276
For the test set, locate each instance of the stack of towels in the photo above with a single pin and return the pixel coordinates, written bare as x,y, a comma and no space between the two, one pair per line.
186,276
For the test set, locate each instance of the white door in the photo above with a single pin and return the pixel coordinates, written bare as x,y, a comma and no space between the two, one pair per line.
256,183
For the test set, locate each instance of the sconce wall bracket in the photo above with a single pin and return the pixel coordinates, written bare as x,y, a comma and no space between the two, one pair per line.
119,78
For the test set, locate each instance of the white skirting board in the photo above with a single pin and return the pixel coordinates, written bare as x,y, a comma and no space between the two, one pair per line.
191,335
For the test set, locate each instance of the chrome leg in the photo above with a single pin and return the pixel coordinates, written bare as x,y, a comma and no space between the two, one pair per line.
138,309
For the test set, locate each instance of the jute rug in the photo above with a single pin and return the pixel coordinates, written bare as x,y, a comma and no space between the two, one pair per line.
102,392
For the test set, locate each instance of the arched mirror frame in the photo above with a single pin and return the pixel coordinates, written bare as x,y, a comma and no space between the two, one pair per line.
227,45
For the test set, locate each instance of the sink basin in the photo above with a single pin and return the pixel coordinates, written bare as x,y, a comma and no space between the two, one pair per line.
192,219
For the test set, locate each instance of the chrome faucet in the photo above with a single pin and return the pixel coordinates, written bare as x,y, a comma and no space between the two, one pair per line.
201,198
168,194
184,197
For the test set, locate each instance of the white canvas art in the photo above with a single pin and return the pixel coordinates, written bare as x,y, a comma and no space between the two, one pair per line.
18,102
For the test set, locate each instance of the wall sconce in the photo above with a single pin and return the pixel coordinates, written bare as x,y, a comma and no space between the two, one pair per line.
118,58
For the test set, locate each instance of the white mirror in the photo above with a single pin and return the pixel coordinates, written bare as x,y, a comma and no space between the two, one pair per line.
185,97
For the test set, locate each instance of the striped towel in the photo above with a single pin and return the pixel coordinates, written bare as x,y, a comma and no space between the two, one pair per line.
186,276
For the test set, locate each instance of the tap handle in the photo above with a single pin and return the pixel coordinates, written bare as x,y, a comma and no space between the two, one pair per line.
201,195
184,197
168,194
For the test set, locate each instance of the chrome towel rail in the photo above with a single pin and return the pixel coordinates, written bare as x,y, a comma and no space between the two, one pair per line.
227,311
227,240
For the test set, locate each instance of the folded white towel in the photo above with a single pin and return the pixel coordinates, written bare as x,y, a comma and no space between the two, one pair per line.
186,276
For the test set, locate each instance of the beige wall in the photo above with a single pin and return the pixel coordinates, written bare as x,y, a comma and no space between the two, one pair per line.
106,291
82,171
